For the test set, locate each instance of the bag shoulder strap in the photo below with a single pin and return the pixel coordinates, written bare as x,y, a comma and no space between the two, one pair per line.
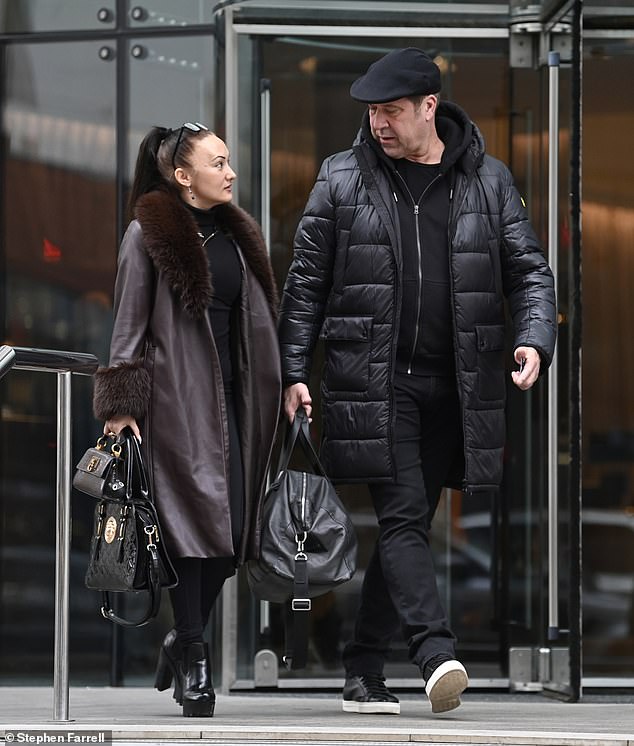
296,617
153,602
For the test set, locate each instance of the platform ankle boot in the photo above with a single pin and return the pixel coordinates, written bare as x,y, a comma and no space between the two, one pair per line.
199,699
170,666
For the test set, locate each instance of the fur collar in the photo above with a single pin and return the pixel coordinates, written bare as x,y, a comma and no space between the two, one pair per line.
171,240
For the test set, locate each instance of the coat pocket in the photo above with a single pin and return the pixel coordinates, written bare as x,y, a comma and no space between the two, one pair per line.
490,343
347,352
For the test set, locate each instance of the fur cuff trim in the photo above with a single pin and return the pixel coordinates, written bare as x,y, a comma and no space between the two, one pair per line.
120,390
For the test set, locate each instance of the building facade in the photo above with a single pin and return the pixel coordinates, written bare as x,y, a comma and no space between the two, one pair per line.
538,581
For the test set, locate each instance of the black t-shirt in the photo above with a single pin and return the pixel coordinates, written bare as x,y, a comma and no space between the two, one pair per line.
418,176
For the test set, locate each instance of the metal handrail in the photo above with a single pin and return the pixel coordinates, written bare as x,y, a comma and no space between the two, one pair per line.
31,358
64,364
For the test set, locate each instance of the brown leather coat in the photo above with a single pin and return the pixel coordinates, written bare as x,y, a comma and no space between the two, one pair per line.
164,370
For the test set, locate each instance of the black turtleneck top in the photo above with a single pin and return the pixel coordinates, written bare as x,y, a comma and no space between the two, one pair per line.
226,280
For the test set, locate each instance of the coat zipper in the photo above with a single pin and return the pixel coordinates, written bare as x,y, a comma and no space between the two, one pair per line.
419,250
304,485
419,299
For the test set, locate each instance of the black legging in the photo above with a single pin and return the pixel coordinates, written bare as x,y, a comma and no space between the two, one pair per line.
200,580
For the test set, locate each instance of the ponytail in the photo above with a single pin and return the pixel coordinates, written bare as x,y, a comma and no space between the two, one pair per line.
147,176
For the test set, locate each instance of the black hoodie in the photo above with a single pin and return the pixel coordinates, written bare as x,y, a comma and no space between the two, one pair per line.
423,193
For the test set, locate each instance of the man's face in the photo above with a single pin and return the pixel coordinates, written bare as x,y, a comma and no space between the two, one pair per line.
400,127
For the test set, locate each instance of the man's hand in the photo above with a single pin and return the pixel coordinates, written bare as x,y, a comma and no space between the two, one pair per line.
529,361
116,425
295,396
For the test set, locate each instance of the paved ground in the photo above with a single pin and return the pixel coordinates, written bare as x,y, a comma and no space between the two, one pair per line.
142,715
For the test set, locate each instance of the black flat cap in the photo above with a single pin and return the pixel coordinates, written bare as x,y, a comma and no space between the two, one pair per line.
400,73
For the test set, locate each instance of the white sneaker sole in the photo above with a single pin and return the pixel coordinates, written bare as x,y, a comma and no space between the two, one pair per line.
446,685
372,708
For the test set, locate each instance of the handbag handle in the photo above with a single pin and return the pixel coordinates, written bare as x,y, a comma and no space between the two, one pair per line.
299,431
134,461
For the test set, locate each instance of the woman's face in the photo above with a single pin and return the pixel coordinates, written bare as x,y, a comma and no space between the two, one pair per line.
209,175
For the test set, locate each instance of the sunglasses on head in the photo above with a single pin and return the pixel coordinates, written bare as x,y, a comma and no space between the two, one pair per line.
192,127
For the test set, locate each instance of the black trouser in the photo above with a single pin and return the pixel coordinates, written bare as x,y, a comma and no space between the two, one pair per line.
399,588
200,580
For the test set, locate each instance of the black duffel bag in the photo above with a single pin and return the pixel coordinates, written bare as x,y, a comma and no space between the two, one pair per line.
308,544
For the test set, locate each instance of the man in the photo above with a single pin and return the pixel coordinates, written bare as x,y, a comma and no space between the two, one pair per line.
409,243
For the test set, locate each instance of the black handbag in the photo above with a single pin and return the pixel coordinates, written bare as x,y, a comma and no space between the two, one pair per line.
126,550
308,544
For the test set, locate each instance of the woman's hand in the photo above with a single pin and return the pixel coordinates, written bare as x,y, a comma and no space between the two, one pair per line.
116,425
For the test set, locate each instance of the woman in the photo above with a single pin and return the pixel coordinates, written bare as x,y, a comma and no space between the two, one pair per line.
194,371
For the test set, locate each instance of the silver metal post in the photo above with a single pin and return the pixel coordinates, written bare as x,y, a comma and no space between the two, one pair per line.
265,616
62,553
229,634
231,83
528,419
230,588
265,166
553,251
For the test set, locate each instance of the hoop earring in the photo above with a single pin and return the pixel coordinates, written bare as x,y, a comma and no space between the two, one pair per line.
191,194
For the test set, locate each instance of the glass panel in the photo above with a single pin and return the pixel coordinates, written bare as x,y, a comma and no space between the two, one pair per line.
58,238
21,16
168,14
523,514
608,386
613,15
182,66
315,74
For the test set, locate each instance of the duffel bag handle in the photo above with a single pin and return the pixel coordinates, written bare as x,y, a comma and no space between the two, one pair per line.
298,431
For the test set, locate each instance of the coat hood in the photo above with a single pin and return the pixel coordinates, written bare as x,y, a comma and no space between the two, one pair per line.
464,144
171,240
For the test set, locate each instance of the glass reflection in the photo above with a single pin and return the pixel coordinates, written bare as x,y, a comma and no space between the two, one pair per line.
171,82
608,386
58,234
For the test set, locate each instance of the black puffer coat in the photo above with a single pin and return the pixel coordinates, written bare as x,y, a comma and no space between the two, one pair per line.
344,284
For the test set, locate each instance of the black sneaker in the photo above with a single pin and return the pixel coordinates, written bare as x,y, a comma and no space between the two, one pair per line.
367,694
445,680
